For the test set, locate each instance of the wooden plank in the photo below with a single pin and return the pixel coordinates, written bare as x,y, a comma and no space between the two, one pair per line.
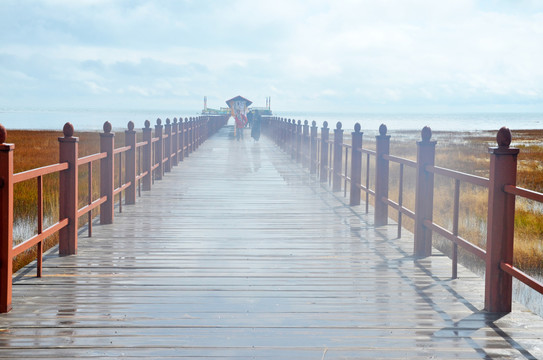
238,253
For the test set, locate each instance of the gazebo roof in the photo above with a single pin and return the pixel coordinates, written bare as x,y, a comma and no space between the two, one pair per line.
238,98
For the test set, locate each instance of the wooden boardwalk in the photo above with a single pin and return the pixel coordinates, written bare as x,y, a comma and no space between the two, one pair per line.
237,253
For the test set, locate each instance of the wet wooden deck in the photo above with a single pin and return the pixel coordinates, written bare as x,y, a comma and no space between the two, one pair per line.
238,254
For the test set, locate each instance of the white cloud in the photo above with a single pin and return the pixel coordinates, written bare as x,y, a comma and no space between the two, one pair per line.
396,52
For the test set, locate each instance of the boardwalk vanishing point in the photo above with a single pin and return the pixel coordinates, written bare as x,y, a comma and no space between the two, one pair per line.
238,253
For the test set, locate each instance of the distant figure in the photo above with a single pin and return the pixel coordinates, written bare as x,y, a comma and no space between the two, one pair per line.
255,130
250,116
241,121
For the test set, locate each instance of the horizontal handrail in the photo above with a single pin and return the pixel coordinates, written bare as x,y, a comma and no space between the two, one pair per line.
142,175
93,205
472,179
34,173
525,193
122,150
400,160
523,277
140,144
90,158
121,188
474,249
402,209
39,237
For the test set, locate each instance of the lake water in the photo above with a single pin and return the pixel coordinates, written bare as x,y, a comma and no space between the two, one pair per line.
93,119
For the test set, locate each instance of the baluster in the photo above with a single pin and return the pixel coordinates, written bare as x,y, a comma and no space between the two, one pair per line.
39,257
89,198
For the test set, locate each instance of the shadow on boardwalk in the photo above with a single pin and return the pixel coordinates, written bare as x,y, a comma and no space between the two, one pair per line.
238,253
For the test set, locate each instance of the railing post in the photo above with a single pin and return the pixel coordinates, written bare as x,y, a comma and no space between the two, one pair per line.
500,224
306,149
338,156
382,147
191,135
356,165
147,157
325,133
159,150
293,139
168,146
175,142
424,197
187,137
283,130
313,151
181,139
107,145
130,167
299,141
68,185
6,221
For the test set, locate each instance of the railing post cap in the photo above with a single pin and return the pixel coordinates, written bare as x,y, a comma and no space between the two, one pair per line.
325,124
383,130
147,124
68,130
3,134
299,122
504,137
339,125
357,128
131,125
426,133
107,127
313,123
175,120
158,122
167,121
306,122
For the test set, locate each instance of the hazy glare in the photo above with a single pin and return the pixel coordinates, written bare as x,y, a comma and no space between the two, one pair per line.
362,56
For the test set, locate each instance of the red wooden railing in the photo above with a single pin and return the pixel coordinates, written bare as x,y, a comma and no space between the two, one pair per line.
137,165
331,158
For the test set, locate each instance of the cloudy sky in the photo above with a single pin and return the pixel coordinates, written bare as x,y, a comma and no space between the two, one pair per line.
341,55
